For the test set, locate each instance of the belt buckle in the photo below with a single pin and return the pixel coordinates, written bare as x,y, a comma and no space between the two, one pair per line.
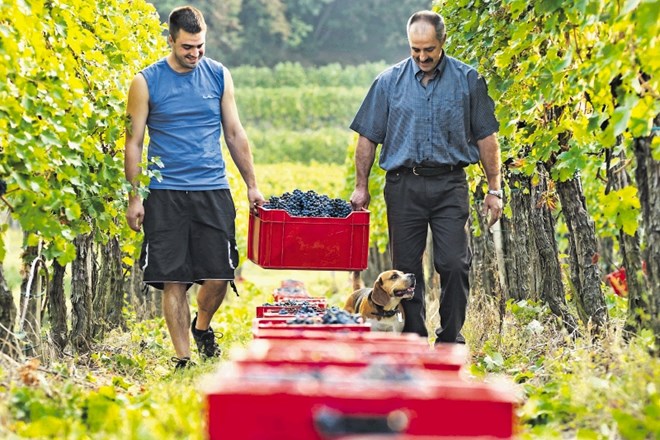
414,171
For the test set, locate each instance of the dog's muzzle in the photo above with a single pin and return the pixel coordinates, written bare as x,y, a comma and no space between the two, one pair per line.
408,293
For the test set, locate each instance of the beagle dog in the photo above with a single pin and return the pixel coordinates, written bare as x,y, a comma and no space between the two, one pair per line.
381,305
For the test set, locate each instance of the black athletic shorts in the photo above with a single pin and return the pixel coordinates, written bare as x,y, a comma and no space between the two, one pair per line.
189,237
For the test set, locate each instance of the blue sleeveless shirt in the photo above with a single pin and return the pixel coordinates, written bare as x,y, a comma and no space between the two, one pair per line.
184,125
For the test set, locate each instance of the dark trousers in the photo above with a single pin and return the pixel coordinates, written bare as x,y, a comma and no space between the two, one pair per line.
415,203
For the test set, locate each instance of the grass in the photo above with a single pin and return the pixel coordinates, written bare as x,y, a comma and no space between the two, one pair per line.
599,386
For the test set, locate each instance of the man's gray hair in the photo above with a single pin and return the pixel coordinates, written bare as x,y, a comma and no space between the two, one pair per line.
432,18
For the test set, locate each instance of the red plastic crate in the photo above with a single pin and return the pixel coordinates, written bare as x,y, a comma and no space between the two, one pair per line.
280,296
275,324
312,355
273,310
290,289
292,285
411,437
314,300
277,240
389,338
255,402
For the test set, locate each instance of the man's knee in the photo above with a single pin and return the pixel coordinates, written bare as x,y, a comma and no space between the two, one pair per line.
174,289
454,265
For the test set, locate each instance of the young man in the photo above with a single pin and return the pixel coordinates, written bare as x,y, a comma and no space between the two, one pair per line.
433,116
185,101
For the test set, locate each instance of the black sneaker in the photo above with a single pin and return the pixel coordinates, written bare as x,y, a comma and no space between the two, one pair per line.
182,363
460,339
206,345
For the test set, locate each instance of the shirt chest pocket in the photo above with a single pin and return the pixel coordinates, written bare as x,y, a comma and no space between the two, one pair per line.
449,122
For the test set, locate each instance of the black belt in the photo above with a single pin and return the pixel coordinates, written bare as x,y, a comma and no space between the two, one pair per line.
428,171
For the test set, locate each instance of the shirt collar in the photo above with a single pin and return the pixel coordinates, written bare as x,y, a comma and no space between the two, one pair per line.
439,69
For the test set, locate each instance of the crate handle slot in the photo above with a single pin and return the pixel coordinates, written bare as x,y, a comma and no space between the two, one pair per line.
330,423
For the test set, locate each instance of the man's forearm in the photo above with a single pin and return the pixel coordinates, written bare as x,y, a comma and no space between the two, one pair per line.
489,153
365,153
132,168
241,154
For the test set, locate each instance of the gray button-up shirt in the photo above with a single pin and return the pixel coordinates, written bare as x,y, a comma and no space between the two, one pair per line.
434,125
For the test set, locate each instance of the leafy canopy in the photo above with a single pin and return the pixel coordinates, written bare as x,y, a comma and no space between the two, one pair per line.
63,81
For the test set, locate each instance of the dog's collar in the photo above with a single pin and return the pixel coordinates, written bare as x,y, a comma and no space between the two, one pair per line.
384,313
380,310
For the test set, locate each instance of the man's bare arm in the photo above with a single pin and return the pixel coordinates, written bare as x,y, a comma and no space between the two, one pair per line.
365,153
489,153
238,144
137,110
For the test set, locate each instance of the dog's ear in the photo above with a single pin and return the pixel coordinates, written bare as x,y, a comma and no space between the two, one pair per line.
379,295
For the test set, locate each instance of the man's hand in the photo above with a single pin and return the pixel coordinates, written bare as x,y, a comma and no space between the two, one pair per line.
255,198
360,199
492,206
135,214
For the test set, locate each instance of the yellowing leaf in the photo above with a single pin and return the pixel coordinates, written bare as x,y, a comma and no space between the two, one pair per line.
655,145
32,240
641,116
621,208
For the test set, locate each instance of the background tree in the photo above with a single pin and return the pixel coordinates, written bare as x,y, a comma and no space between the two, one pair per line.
551,66
312,32
8,343
61,133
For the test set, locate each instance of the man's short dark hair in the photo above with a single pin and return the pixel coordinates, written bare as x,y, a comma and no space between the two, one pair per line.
188,18
432,18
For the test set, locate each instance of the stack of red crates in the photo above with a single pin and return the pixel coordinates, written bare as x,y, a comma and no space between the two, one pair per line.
289,297
329,381
341,381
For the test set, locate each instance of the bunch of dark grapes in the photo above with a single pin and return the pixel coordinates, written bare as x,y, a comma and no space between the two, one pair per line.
286,303
309,204
291,307
304,318
305,308
335,315
3,187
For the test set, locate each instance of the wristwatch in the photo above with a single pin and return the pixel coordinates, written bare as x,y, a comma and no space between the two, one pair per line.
495,192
